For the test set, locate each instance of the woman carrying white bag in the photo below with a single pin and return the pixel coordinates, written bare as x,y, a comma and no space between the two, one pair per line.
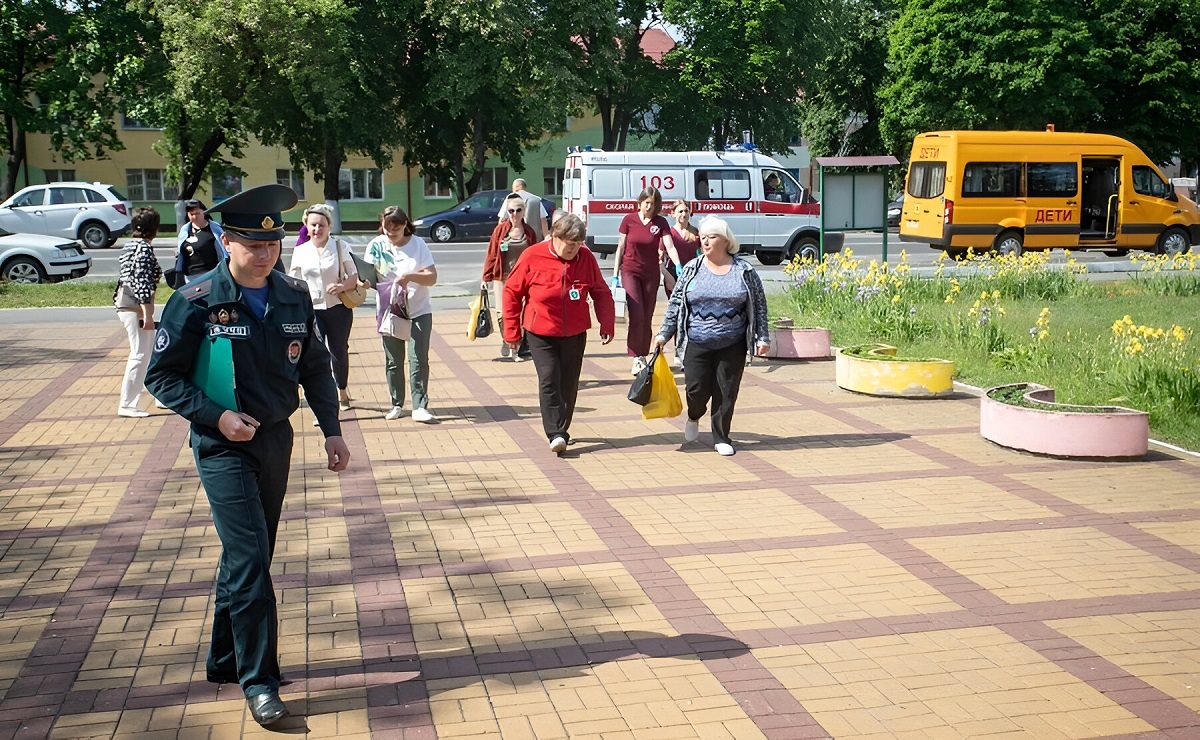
406,272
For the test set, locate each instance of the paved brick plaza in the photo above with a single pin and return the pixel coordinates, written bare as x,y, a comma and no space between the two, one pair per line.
861,568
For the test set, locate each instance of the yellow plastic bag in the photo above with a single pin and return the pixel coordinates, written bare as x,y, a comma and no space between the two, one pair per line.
476,308
665,402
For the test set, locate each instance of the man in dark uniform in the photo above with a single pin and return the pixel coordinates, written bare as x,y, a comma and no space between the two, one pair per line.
243,453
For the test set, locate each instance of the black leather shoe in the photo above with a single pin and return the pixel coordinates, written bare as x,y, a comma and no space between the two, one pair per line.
266,708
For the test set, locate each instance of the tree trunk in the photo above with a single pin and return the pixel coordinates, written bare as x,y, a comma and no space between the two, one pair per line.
330,179
604,106
478,153
15,159
193,170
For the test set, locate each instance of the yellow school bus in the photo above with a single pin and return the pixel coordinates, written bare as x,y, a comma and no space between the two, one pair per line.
1008,191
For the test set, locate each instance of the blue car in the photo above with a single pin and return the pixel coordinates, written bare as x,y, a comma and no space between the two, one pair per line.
472,220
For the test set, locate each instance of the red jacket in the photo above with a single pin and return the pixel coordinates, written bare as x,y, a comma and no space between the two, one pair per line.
542,283
493,262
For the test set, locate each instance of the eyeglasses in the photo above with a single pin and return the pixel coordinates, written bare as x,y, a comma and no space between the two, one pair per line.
516,210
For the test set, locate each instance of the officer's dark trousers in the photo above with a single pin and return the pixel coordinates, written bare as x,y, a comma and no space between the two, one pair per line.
245,483
558,361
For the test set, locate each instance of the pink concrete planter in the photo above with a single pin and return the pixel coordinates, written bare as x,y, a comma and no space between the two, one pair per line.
790,342
1049,428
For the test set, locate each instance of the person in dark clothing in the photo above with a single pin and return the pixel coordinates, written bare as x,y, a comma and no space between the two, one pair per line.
199,242
263,322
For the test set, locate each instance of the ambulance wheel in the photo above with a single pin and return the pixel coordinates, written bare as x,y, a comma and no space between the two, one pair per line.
769,259
806,248
1009,242
1173,241
442,231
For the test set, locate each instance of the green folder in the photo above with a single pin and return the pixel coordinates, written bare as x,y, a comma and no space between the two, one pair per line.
213,372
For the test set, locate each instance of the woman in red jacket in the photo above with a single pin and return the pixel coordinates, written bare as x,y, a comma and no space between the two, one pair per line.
547,294
510,239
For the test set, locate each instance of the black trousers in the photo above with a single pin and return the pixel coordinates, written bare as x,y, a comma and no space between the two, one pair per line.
717,375
335,324
558,361
245,483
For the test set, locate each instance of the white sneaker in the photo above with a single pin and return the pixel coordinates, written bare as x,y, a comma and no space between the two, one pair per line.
160,405
518,357
132,413
422,415
691,430
505,351
677,362
639,364
724,449
395,413
558,445
316,422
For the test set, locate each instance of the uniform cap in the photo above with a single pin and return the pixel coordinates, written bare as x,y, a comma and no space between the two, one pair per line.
257,213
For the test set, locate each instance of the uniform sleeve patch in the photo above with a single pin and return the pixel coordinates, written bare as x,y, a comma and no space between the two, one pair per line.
295,328
162,339
293,351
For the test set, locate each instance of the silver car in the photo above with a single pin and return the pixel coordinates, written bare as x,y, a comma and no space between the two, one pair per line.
32,258
94,213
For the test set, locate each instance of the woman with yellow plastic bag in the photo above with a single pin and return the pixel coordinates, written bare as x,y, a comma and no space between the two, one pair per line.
719,311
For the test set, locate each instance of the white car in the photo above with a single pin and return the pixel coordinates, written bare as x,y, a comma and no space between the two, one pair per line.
94,213
32,258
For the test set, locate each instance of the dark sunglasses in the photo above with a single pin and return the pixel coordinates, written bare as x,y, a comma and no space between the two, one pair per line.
516,210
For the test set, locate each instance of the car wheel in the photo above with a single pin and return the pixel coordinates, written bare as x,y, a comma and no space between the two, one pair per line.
1009,242
94,235
1173,241
23,270
769,258
442,231
806,248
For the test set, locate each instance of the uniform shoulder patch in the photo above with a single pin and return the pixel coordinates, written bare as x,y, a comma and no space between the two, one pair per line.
194,291
296,284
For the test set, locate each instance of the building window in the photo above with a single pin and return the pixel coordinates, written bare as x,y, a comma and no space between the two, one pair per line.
435,189
493,178
224,186
59,175
150,185
294,179
552,179
360,184
133,123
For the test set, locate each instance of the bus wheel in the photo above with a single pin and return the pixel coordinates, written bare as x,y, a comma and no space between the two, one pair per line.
1173,241
1009,242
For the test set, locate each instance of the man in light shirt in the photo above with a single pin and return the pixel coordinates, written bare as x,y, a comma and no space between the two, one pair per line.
535,211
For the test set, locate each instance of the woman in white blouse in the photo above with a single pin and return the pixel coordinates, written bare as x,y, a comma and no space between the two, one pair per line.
327,266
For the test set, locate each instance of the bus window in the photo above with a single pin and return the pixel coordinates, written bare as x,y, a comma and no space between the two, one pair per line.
1147,182
991,180
1052,179
927,179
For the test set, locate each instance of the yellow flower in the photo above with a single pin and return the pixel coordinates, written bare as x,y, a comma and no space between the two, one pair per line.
896,298
995,295
1043,335
950,298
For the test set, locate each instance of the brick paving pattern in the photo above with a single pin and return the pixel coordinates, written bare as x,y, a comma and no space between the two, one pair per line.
861,568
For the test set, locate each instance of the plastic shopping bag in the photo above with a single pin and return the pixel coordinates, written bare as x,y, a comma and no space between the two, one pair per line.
477,309
665,402
618,294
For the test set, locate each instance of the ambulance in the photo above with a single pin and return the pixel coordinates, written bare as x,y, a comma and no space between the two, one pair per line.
1008,191
772,215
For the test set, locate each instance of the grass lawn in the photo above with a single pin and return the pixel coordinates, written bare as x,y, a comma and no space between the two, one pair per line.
1060,330
70,293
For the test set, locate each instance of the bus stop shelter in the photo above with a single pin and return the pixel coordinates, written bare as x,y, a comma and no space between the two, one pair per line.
854,194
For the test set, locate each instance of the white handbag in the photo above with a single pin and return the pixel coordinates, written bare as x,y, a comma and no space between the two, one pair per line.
618,294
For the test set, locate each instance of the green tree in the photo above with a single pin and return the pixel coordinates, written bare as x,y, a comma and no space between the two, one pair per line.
839,107
740,67
482,80
50,54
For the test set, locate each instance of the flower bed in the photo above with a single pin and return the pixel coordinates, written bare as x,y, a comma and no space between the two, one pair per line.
875,370
1024,416
791,342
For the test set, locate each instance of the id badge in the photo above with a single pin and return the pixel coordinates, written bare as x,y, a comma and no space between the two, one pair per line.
192,239
503,246
574,294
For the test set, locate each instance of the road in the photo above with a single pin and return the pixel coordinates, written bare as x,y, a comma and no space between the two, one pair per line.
460,263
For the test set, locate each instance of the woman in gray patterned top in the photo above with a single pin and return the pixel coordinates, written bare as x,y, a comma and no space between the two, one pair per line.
719,310
134,299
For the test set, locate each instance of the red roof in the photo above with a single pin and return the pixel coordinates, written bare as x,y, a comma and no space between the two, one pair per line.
656,43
